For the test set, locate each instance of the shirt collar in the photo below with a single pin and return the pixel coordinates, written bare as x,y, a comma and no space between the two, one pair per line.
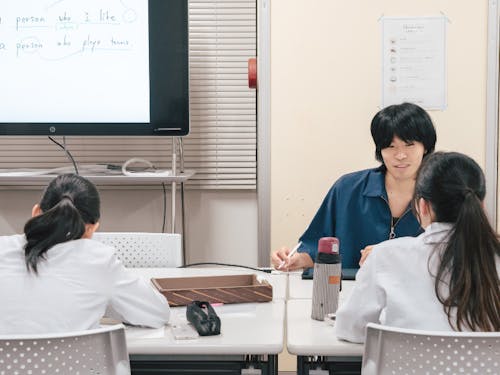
437,233
375,184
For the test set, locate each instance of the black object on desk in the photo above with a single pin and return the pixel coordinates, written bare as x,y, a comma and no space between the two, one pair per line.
347,273
203,317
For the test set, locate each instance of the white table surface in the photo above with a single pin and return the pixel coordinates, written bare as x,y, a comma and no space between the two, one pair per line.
302,289
309,337
249,328
277,280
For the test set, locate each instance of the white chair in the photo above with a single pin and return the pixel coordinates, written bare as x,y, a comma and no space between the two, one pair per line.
144,249
100,351
390,350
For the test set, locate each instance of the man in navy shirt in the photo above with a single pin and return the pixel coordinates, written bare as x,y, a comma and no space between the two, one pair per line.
370,206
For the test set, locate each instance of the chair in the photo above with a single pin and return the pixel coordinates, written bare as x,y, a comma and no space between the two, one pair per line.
144,249
99,351
390,350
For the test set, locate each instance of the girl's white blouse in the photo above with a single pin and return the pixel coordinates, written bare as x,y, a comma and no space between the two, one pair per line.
76,283
394,287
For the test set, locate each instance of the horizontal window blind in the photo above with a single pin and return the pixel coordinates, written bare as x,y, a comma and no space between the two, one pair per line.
222,143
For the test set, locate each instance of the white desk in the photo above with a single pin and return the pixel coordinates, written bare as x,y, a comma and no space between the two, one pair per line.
249,332
302,289
315,342
309,337
248,328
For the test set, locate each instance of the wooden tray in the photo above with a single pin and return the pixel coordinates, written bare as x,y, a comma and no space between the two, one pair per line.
180,291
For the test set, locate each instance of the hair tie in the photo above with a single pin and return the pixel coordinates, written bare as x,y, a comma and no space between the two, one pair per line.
468,191
65,196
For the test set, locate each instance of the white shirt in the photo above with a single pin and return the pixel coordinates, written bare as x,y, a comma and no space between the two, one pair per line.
76,283
394,287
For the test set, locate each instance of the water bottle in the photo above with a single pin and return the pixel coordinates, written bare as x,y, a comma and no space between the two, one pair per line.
326,279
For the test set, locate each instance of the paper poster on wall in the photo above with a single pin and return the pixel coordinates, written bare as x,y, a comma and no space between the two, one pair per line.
414,61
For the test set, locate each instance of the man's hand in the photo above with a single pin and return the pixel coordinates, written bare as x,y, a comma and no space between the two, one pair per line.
297,261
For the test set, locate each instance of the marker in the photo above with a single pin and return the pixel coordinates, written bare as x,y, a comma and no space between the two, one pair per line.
294,250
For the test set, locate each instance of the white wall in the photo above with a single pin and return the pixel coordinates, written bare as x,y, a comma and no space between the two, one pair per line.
221,226
325,88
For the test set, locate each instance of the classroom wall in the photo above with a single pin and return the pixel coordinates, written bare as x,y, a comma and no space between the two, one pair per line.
221,226
325,89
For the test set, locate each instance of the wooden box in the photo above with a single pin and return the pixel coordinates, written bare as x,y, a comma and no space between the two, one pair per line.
180,291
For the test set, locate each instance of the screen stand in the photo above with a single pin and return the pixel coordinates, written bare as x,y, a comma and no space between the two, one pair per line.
174,184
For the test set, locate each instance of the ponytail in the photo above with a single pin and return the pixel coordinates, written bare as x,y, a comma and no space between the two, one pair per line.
469,260
466,280
69,202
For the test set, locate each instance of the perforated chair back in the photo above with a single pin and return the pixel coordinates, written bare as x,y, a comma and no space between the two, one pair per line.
100,351
144,249
390,350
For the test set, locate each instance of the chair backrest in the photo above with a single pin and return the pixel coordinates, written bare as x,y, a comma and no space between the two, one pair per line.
144,249
100,351
390,350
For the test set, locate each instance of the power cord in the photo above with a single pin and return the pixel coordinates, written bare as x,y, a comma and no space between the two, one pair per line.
267,270
164,207
148,171
68,154
145,173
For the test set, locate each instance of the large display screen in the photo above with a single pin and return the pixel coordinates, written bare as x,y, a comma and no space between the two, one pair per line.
94,67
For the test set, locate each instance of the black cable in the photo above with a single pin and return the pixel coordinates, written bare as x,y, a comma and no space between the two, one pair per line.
67,153
267,270
164,203
164,207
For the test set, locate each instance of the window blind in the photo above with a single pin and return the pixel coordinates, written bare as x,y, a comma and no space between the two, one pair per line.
222,143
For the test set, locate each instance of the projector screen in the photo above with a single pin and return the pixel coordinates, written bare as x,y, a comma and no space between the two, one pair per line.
94,67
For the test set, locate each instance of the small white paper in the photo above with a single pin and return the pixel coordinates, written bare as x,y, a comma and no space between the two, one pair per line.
184,332
414,61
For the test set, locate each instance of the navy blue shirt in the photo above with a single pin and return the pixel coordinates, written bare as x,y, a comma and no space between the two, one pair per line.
356,211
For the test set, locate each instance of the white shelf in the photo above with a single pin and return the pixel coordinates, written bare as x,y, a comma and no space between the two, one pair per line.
98,179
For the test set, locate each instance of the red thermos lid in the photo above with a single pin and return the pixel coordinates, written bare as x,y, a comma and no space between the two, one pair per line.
328,245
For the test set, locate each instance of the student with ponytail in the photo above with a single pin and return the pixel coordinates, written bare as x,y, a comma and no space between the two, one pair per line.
55,278
447,278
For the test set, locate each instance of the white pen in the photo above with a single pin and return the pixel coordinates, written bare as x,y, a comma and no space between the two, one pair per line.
294,250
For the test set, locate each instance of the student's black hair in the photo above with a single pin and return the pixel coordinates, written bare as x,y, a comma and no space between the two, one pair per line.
407,121
454,186
68,203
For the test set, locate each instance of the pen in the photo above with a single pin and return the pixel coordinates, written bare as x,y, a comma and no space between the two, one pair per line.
294,250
